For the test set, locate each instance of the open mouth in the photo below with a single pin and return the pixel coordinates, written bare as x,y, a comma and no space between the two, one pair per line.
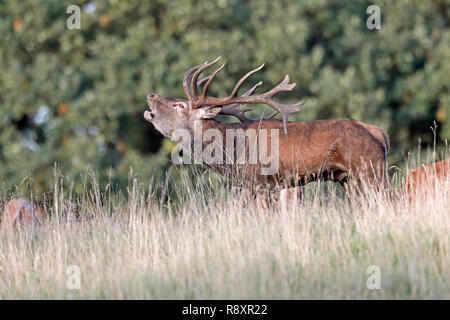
149,115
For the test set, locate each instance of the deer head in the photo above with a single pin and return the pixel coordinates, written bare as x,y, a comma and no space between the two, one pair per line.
168,114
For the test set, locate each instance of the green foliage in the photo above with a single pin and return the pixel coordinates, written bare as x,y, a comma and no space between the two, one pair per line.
76,97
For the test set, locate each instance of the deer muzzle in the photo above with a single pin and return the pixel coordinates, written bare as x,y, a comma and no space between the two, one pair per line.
150,114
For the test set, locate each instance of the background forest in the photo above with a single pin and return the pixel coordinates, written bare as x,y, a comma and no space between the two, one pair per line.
76,97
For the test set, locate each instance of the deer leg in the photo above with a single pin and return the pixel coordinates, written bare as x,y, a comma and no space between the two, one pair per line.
375,177
291,196
354,186
373,174
246,194
262,201
297,193
259,198
285,197
352,189
349,183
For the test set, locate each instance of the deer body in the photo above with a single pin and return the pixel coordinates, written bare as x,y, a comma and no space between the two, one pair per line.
321,149
19,212
337,150
421,180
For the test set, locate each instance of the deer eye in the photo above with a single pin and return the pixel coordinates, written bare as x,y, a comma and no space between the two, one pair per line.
179,105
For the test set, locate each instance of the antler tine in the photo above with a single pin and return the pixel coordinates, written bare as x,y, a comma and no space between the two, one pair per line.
241,81
203,80
253,90
208,82
238,110
187,80
284,109
236,88
265,98
235,103
195,77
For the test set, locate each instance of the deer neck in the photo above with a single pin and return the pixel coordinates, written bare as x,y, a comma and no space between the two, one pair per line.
207,132
203,126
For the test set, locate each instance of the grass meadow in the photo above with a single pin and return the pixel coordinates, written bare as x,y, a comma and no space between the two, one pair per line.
199,240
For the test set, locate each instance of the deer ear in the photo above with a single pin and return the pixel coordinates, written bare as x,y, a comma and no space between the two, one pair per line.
208,112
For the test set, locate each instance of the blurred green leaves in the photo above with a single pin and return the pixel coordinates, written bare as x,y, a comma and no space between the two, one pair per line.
94,81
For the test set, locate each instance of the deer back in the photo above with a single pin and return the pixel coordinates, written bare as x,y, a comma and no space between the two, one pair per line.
422,179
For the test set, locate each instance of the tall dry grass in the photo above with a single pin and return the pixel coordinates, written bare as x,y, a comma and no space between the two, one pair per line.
199,241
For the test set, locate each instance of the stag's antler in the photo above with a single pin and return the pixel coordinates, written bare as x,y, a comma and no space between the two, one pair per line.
234,102
237,109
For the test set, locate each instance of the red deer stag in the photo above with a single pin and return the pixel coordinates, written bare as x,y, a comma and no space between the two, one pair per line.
19,212
341,150
421,180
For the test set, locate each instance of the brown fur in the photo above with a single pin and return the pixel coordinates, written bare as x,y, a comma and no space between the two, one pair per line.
337,150
420,181
340,150
19,212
